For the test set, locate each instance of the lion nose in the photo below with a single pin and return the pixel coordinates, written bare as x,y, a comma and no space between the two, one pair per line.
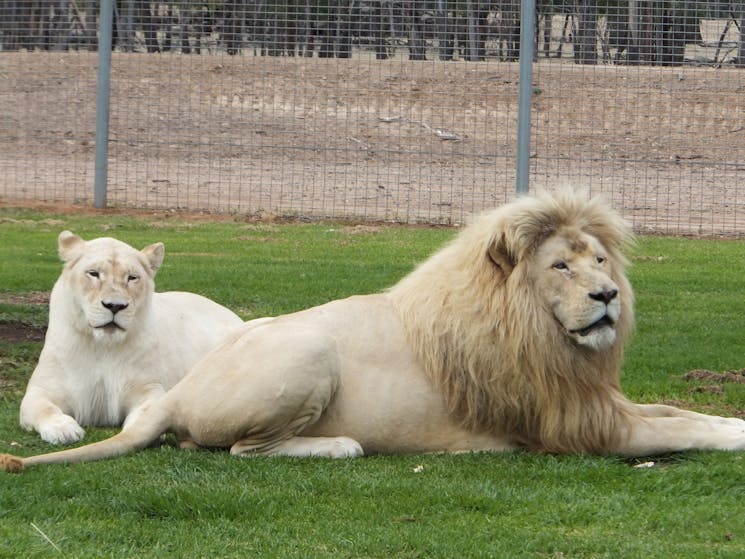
606,295
114,307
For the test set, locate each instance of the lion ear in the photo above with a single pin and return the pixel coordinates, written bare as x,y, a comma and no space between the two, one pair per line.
154,255
500,255
69,245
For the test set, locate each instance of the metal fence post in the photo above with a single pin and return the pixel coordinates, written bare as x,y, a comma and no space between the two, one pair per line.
102,103
527,46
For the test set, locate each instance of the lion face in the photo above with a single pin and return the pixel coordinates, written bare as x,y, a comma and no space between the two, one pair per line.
111,282
573,275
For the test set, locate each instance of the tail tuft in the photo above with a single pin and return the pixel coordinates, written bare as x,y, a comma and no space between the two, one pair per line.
10,463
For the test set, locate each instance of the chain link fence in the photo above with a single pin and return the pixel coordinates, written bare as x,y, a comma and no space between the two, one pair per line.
379,109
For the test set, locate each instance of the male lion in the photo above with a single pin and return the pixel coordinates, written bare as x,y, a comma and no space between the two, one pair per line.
511,336
112,344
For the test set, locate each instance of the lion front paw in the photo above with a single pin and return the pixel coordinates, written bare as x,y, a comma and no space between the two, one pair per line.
62,429
340,447
325,447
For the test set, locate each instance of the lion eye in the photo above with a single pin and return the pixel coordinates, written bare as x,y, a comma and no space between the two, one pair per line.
560,265
132,278
601,259
93,274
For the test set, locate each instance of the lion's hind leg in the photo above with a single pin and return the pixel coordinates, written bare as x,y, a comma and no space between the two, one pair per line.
276,381
326,447
285,440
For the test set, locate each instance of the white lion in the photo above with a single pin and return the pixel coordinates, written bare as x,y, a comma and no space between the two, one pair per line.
112,344
511,336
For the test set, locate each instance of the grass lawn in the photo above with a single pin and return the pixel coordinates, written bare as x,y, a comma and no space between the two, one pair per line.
168,503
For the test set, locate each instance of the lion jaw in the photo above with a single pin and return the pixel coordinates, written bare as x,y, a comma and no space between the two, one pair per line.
111,332
597,331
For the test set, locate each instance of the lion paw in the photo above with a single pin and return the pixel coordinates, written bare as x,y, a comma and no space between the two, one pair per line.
10,463
325,447
340,447
63,429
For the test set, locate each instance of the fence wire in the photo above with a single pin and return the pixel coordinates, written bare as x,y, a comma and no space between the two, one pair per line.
379,109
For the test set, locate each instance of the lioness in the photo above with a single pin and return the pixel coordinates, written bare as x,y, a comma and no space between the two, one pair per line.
112,344
511,336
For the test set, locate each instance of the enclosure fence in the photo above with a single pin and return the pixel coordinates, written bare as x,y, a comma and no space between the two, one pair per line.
395,110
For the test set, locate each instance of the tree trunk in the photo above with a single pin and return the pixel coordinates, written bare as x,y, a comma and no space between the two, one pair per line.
585,39
379,21
511,28
344,43
472,38
444,35
632,53
739,8
60,26
417,44
146,19
127,35
308,44
233,26
326,34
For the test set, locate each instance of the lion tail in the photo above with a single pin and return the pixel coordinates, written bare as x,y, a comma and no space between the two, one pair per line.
142,433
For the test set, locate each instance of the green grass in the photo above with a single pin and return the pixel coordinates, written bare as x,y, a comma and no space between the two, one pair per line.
169,503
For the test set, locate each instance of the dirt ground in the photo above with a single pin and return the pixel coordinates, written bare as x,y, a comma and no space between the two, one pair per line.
16,332
375,140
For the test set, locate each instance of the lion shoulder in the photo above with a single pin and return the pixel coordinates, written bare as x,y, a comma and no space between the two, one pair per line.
188,320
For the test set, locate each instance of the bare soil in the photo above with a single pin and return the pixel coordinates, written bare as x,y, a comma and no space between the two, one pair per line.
721,377
376,140
16,332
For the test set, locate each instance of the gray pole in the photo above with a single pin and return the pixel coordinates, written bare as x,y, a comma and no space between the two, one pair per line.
102,103
527,29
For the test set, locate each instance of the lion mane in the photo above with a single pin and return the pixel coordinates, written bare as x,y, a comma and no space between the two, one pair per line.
492,347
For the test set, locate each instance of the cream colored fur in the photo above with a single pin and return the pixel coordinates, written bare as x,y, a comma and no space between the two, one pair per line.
112,344
511,336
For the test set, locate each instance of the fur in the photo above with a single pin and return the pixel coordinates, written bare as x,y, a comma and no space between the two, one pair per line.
485,339
98,367
512,336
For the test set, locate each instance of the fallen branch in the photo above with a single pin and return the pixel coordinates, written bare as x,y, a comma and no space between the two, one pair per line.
442,134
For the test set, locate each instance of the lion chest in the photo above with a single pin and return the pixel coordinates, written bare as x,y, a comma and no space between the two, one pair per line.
101,386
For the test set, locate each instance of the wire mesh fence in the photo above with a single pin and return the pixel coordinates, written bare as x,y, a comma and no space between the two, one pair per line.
379,109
